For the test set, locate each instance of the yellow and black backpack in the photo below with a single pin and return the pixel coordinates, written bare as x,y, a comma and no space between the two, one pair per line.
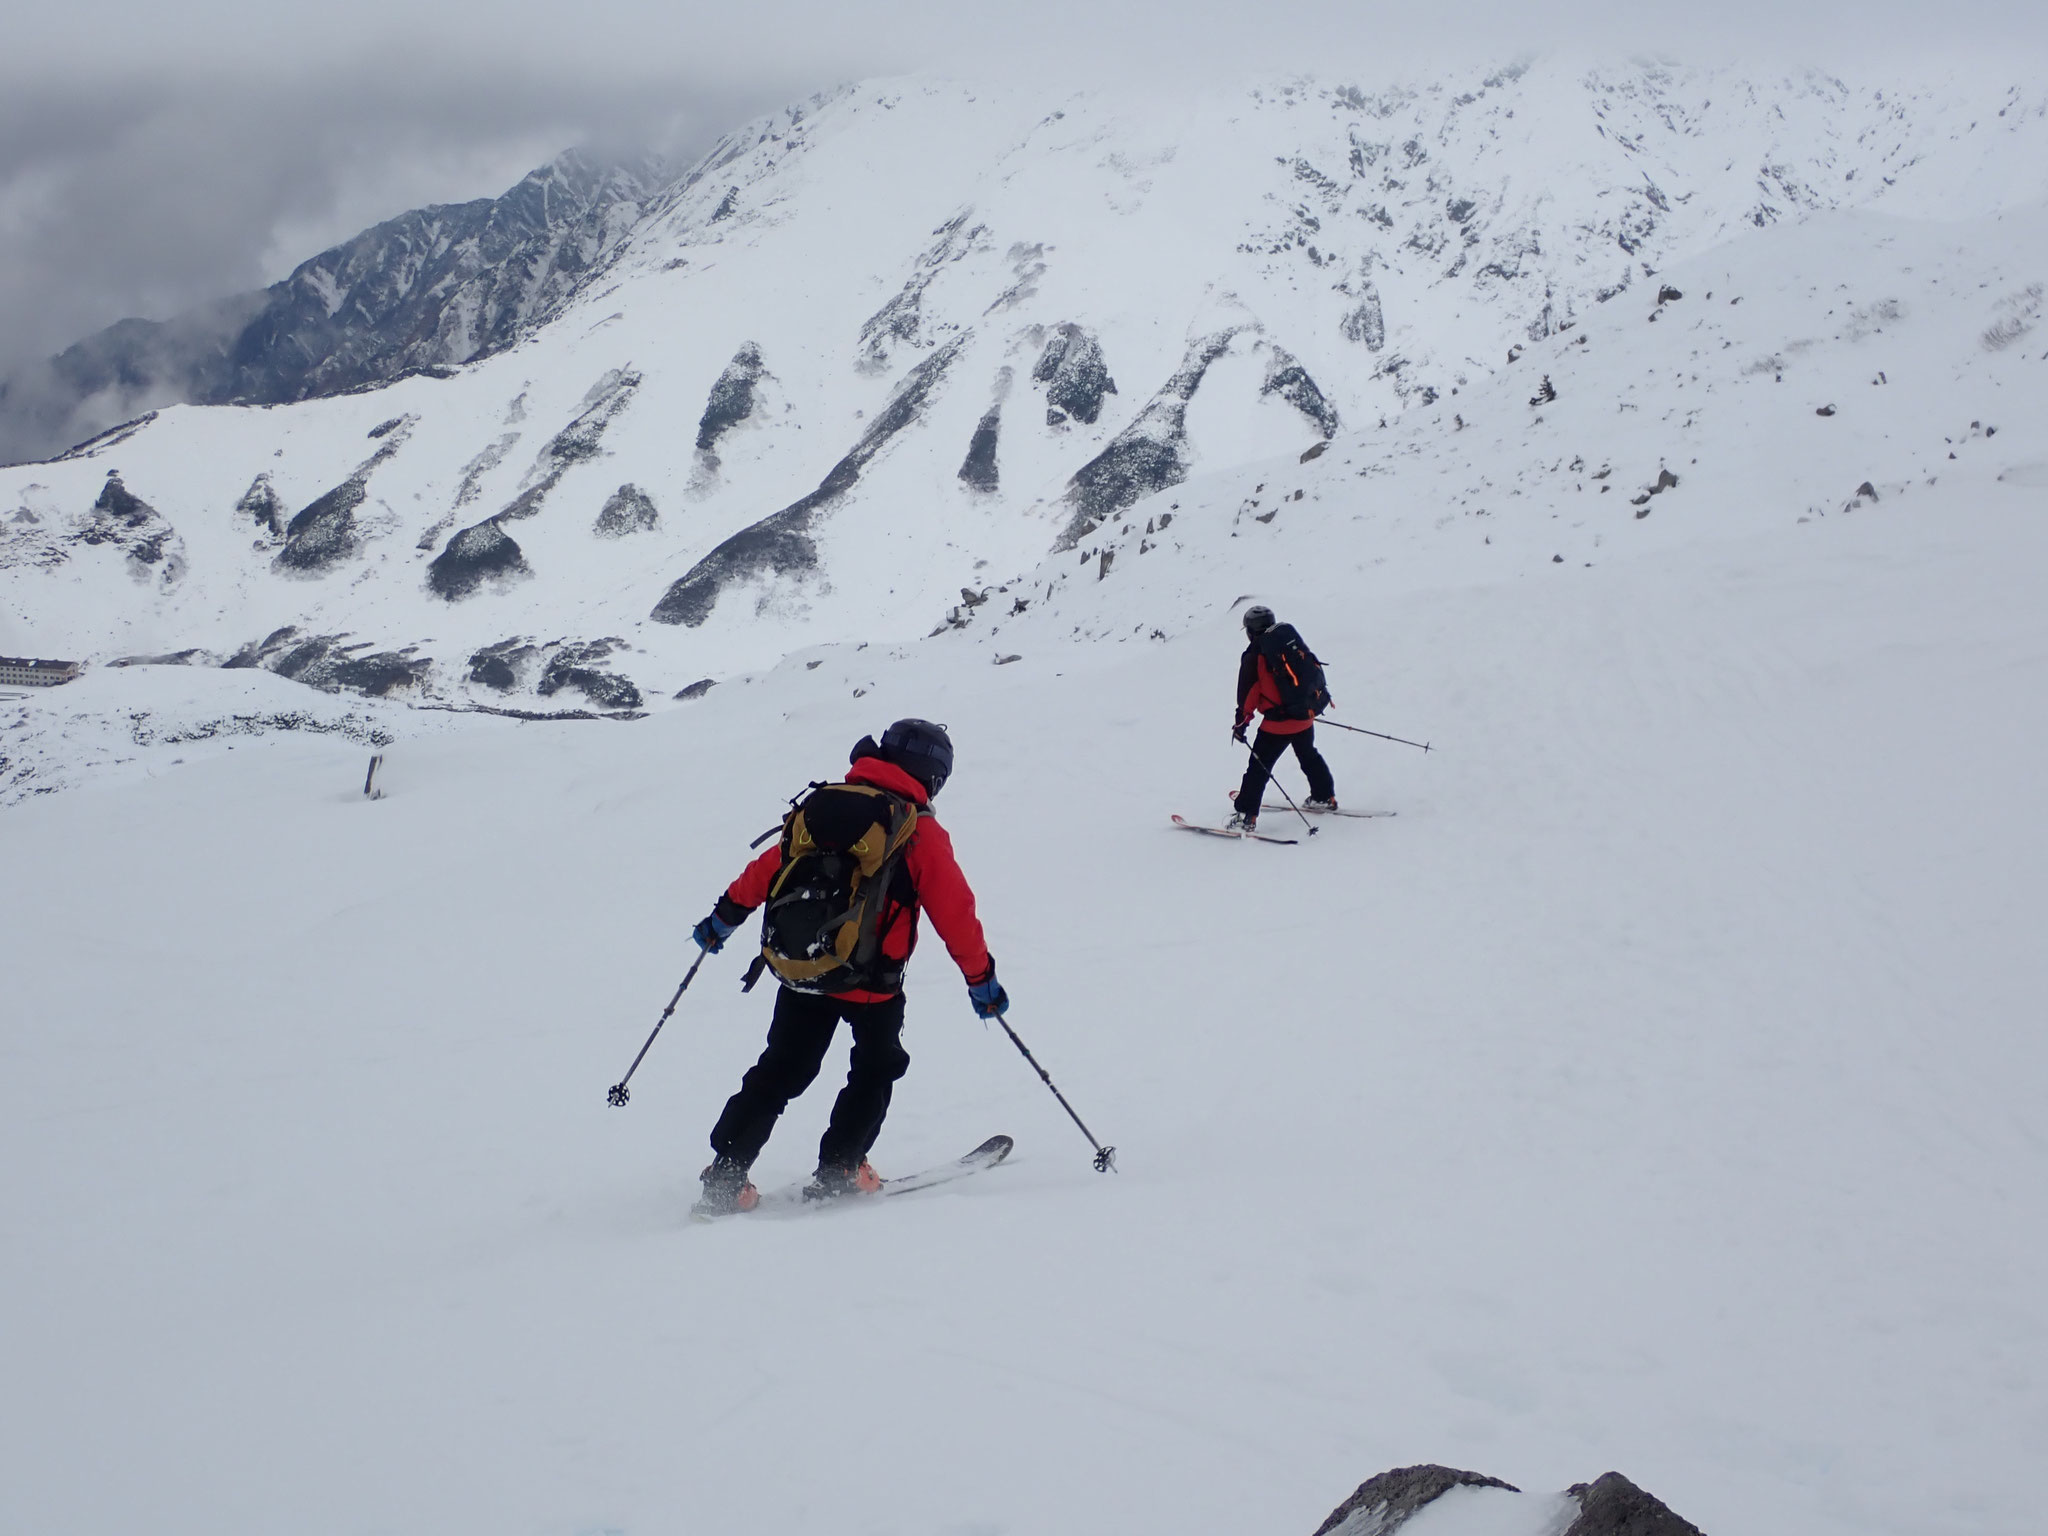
842,852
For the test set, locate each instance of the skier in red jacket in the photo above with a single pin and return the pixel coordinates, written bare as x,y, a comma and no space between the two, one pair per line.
1281,728
913,759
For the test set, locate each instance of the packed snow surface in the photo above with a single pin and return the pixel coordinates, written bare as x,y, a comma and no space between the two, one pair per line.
1658,1090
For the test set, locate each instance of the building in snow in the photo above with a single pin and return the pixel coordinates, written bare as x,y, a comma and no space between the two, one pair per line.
32,672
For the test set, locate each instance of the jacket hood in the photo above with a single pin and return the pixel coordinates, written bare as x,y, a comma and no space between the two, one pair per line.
877,774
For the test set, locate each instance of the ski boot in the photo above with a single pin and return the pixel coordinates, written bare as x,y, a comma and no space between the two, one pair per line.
831,1182
1313,804
1241,824
726,1190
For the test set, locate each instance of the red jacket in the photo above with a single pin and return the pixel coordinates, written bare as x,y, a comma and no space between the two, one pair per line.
934,875
1256,690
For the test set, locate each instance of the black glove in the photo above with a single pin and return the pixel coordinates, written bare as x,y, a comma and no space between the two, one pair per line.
1237,733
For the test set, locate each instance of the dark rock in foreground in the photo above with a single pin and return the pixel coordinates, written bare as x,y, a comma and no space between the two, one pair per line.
1609,1506
1383,1504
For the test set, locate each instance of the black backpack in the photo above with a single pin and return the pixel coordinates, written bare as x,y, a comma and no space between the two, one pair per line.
1304,693
842,859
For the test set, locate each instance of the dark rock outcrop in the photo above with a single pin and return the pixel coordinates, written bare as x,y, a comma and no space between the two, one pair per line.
1286,378
781,544
1074,375
123,520
732,397
1148,455
488,458
502,667
978,469
332,664
430,288
324,532
262,504
628,510
1611,1505
1366,322
902,318
1383,1504
480,553
698,689
576,665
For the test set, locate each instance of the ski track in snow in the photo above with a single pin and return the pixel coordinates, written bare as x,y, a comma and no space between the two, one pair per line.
1657,1091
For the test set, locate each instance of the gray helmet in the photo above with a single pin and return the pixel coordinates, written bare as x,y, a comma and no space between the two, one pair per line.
1257,619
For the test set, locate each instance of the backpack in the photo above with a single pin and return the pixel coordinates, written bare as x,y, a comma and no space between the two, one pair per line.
842,850
1297,674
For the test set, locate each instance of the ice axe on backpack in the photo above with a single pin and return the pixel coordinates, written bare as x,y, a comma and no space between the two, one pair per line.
619,1094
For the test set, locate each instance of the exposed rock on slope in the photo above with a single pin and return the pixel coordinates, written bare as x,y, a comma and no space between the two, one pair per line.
1286,378
628,510
1148,455
124,520
781,545
331,663
732,397
325,533
483,552
1074,375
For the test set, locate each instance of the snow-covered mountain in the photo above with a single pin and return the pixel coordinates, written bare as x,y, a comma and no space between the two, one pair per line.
882,354
429,289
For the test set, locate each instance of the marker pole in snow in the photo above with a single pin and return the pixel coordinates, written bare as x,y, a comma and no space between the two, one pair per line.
1273,779
1105,1157
618,1094
1383,736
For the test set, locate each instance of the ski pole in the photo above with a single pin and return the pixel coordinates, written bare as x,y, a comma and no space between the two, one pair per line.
618,1094
1273,779
1383,736
1105,1157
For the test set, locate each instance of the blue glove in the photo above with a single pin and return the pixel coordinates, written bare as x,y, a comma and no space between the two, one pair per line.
712,933
987,996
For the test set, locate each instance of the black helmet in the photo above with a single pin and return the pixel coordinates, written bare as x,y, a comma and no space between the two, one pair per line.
922,750
1257,619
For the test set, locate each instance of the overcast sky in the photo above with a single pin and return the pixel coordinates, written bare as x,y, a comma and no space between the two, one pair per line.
154,156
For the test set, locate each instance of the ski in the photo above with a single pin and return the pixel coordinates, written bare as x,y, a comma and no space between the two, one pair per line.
1311,810
1257,837
790,1199
987,1155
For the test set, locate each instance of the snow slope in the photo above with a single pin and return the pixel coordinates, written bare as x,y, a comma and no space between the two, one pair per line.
1656,1091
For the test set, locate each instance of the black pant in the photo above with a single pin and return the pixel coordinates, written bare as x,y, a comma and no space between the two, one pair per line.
1266,749
798,1036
